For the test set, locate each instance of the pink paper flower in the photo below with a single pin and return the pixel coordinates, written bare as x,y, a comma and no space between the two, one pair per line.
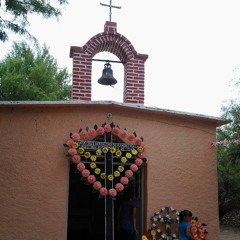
91,132
143,145
138,141
97,185
83,134
91,179
115,131
134,167
112,192
81,167
107,128
85,173
119,187
138,161
72,151
124,180
100,131
141,155
123,133
76,159
70,142
131,137
103,191
129,173
75,137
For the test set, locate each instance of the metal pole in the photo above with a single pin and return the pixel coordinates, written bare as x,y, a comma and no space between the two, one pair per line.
110,12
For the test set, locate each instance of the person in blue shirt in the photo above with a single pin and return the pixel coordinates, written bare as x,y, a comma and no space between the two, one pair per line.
184,230
127,218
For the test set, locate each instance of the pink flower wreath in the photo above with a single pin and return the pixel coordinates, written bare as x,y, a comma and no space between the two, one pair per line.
93,175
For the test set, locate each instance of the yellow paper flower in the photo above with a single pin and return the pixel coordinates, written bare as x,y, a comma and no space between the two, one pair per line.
99,152
105,149
120,168
144,237
153,232
123,159
87,154
116,173
110,177
103,175
93,165
75,145
140,149
128,155
81,150
118,153
112,150
93,158
134,152
97,170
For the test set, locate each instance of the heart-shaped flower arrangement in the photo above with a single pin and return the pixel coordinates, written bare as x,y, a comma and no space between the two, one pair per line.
89,161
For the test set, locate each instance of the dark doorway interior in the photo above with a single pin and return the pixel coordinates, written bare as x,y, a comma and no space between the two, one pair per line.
86,213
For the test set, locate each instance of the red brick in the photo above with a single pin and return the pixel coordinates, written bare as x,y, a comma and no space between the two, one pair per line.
138,85
120,46
86,98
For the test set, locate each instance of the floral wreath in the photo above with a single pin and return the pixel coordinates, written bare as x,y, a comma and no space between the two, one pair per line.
160,224
168,216
94,175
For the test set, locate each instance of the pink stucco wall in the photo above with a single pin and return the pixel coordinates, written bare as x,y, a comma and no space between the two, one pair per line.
181,166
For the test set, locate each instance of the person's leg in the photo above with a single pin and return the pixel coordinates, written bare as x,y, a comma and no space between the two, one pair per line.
133,235
130,234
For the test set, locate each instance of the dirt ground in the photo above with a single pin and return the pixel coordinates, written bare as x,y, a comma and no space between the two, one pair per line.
229,233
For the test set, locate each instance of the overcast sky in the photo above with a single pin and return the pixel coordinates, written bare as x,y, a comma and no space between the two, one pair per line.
193,48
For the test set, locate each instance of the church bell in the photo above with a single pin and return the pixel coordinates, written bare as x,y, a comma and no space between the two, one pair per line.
107,76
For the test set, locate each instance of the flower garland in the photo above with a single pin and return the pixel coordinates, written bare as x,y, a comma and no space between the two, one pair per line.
198,229
160,224
94,175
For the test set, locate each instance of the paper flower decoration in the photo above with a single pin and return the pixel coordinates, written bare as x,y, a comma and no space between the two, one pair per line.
162,223
127,157
97,170
198,229
76,158
81,150
110,177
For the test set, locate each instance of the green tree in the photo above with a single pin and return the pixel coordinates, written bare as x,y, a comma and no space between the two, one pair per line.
27,74
228,156
14,14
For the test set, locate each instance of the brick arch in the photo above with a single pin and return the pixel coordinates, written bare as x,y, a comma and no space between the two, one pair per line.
120,46
115,44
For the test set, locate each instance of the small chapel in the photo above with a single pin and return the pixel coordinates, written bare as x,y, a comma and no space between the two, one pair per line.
67,166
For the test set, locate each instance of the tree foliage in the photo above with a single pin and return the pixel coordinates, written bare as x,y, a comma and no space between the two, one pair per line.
229,160
27,74
14,14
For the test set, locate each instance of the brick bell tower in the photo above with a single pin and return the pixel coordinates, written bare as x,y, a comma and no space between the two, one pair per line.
120,46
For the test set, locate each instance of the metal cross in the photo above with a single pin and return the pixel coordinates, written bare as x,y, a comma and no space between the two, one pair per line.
110,8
